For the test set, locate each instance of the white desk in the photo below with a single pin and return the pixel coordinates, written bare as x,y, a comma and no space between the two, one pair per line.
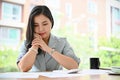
82,75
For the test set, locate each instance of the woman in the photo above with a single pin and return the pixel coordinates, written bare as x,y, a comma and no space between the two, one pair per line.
42,51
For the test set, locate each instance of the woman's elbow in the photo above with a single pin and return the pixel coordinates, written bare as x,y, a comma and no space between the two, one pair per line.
23,68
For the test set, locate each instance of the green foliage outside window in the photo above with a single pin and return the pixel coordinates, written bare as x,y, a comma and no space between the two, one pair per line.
110,54
8,60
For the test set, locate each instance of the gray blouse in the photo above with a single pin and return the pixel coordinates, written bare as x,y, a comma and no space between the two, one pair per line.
45,62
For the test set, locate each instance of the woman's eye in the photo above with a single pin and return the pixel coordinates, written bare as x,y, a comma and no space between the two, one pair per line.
45,24
35,25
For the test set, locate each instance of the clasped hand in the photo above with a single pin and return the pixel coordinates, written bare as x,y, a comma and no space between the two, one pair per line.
39,42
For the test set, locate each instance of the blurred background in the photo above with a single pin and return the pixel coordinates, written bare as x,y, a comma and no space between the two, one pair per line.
92,28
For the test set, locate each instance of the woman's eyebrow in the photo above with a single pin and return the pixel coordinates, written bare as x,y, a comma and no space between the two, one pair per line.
35,23
44,21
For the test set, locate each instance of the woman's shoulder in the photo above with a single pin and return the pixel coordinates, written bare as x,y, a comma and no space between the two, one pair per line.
58,42
24,42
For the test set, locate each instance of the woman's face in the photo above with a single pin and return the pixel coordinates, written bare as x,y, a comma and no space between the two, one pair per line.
42,26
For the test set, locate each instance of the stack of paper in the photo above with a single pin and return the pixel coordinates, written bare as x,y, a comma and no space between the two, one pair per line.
115,70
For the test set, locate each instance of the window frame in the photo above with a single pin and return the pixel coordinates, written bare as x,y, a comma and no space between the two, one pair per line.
11,15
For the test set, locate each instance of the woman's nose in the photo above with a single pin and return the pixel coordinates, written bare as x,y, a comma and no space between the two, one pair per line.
40,28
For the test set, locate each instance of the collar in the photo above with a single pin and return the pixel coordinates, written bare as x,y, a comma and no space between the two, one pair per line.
52,43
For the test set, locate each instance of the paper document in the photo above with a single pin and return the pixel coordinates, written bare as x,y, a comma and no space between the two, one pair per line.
65,73
68,71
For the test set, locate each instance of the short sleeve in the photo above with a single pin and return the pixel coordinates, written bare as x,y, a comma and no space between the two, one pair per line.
68,51
22,52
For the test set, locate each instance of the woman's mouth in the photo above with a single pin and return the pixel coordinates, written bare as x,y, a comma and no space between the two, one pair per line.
41,34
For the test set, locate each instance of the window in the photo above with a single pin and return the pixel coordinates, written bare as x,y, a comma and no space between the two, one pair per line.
68,9
92,7
11,12
9,36
118,0
92,26
115,17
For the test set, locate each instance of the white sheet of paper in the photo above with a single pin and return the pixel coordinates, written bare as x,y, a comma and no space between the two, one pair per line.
59,74
62,73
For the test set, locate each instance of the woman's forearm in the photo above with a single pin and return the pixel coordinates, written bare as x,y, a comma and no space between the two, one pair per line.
27,61
65,61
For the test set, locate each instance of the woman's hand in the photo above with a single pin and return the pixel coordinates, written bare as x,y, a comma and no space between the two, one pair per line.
39,42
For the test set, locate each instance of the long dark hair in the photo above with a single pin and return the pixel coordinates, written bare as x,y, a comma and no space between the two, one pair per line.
37,10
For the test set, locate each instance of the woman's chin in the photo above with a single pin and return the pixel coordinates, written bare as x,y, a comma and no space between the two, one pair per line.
43,37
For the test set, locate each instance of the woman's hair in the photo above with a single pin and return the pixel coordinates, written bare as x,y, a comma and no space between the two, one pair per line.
37,10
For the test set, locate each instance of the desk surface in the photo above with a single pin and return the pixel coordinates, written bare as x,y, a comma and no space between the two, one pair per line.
83,75
86,77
